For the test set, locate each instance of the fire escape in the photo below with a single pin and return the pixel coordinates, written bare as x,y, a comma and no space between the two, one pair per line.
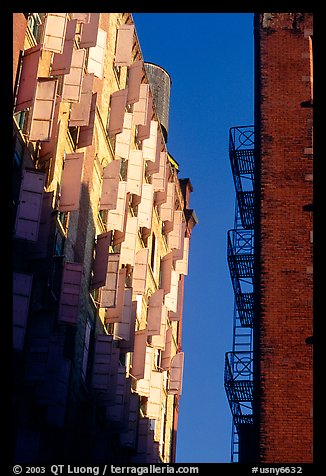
238,373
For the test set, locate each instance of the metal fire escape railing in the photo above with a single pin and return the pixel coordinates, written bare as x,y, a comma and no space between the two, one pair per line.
238,372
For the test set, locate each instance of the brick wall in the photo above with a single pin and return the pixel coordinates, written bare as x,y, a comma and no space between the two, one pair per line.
284,124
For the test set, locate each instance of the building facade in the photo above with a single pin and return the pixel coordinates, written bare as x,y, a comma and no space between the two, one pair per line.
102,226
273,382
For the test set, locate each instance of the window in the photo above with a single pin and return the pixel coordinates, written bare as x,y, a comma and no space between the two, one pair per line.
34,23
153,253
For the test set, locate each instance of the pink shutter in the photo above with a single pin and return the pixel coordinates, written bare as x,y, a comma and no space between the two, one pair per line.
178,252
171,298
166,270
110,185
54,32
175,237
128,438
166,353
124,138
128,344
116,217
81,17
101,259
154,403
142,385
176,373
71,181
89,31
128,247
144,131
80,111
96,54
135,172
49,149
114,314
86,133
162,196
159,178
150,144
115,409
22,286
72,82
167,208
140,271
140,110
154,166
125,39
158,340
176,315
108,297
43,110
30,205
181,265
40,249
135,75
70,293
145,208
117,110
102,362
122,327
28,78
139,354
155,312
62,62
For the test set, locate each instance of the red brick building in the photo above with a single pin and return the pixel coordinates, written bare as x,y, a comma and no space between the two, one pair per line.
284,244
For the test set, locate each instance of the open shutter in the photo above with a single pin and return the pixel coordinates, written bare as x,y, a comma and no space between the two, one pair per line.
88,329
70,292
176,373
128,438
116,217
117,110
49,148
181,265
153,408
101,259
71,182
135,75
22,285
140,110
145,208
115,314
150,144
155,313
89,31
108,297
166,353
102,362
54,32
110,185
167,208
123,139
72,82
28,78
81,17
158,340
43,109
171,298
62,62
128,344
42,248
30,205
176,236
140,271
166,270
96,54
139,354
161,196
128,247
122,327
135,172
144,131
80,111
86,133
159,178
176,315
125,39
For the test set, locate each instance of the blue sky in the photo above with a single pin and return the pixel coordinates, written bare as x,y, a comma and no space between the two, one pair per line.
209,57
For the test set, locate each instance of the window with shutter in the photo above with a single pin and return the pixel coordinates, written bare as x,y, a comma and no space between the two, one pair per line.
117,110
54,32
110,185
72,82
28,78
145,208
62,61
96,55
176,373
89,31
135,172
140,271
100,264
80,111
86,133
109,291
135,75
140,110
125,38
123,139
